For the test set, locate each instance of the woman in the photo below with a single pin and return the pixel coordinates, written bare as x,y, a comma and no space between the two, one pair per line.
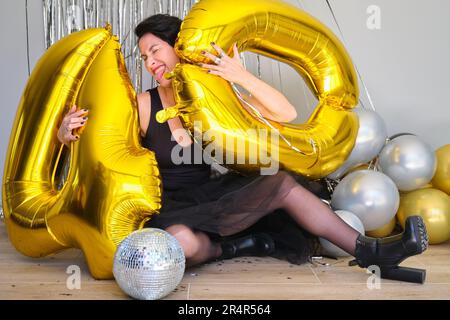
197,211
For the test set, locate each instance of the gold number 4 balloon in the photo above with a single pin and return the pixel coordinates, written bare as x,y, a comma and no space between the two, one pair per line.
113,184
285,33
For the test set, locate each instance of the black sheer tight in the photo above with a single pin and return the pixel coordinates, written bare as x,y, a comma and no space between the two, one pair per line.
280,191
308,211
316,217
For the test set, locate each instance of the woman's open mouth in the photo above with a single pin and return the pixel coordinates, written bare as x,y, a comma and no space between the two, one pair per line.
159,72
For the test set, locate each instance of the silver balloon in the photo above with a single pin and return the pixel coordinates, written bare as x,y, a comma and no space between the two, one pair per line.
408,161
149,264
371,138
2,216
370,195
352,220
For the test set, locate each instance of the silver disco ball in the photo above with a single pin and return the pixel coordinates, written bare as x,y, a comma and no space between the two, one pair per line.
149,264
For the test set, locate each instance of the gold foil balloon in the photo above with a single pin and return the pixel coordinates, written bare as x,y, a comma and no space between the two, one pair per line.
384,231
285,33
113,184
441,179
433,206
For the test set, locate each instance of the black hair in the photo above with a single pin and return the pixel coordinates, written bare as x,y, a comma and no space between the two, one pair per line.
164,26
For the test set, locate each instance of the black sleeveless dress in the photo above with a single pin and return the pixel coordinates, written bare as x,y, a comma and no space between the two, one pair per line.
230,206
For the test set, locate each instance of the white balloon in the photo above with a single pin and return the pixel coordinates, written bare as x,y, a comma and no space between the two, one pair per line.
372,196
352,220
408,161
370,140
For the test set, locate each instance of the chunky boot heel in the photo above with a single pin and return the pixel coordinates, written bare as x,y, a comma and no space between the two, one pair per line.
404,274
258,244
387,253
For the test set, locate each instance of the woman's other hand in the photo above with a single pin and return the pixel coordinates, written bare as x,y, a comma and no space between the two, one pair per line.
72,120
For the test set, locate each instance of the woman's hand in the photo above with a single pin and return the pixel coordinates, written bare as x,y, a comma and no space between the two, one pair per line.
231,69
271,103
73,119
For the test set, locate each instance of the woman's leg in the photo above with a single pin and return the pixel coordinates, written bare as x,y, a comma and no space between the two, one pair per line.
197,246
315,216
386,253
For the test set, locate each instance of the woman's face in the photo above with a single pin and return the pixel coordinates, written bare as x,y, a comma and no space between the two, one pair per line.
159,57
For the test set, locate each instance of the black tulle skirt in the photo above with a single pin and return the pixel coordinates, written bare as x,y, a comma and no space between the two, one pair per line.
234,205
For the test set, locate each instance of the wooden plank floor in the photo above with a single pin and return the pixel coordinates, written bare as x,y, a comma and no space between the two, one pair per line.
241,278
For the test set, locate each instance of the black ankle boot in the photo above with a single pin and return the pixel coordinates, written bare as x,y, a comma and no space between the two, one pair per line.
387,253
257,244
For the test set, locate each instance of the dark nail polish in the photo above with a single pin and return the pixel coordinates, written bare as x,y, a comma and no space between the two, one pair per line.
209,71
213,43
77,137
203,52
82,122
84,118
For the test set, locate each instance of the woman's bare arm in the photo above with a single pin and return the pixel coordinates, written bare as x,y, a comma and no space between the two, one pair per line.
270,102
144,106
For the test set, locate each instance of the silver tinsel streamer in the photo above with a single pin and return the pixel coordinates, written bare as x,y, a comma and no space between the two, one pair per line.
62,17
149,264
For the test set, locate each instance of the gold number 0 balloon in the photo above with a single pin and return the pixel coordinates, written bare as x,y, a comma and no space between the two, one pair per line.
113,184
285,33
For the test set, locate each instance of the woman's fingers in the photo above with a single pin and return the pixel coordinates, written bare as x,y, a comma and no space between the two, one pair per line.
219,50
216,72
74,113
210,66
72,120
78,113
76,125
221,54
77,120
236,52
230,69
72,138
209,55
72,110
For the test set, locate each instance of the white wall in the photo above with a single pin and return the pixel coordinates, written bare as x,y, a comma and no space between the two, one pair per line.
13,59
405,64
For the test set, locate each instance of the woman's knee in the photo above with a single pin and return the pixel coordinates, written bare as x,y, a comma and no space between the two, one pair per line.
187,239
286,180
